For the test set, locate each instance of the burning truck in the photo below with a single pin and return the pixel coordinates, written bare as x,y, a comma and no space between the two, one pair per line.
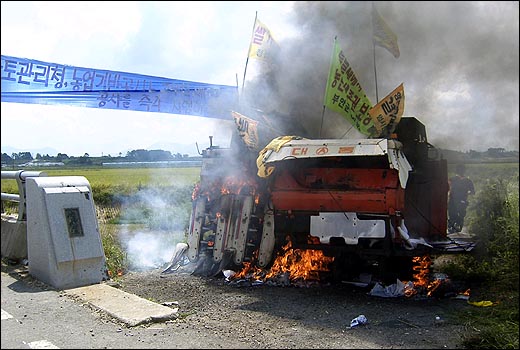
362,204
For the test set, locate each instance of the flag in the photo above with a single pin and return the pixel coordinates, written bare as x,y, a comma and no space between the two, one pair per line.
247,129
262,44
387,113
383,35
275,145
344,94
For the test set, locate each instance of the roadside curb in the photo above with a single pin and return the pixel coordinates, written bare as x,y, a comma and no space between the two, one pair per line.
128,308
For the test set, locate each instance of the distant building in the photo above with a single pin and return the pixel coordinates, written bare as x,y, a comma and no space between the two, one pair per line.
43,164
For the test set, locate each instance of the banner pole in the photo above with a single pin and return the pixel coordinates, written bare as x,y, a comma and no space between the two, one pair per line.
375,71
374,51
248,51
327,85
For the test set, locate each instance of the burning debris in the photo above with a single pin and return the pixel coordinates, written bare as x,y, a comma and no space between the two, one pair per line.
306,268
424,283
299,267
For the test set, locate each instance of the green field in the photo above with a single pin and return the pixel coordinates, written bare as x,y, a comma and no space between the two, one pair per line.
122,177
480,172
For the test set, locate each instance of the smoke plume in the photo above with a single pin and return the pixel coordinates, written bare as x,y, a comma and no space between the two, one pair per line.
459,64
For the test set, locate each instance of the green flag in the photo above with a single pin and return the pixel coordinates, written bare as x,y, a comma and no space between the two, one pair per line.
345,95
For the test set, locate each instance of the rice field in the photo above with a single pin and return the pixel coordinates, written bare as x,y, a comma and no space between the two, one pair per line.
122,177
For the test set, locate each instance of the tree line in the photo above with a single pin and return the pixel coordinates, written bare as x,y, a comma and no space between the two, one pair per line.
142,155
138,155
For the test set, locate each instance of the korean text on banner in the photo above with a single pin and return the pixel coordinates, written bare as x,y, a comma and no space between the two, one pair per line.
30,81
345,95
262,44
383,35
247,129
387,113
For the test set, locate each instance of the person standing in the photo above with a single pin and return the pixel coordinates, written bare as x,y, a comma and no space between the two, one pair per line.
460,187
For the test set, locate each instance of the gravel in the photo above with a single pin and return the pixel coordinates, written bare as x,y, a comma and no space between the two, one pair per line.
228,314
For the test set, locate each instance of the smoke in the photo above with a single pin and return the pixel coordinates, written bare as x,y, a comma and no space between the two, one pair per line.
149,250
154,220
459,64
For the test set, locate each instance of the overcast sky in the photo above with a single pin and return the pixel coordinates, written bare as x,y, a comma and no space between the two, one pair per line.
459,64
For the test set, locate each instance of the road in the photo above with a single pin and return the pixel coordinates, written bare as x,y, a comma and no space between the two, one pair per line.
35,316
216,315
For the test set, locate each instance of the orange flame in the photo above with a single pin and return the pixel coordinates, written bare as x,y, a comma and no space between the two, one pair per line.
300,264
422,277
225,186
304,264
196,191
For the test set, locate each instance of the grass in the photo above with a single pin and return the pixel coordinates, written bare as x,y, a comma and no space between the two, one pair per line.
112,185
493,268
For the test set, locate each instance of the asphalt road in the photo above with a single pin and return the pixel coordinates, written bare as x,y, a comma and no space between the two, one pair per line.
35,316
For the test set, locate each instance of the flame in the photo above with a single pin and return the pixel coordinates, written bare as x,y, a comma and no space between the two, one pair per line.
250,271
225,186
299,264
422,268
196,191
303,264
236,185
422,277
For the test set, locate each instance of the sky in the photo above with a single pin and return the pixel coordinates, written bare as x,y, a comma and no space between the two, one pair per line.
459,64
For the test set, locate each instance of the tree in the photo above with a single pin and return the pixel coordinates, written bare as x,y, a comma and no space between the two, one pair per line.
25,156
6,158
61,156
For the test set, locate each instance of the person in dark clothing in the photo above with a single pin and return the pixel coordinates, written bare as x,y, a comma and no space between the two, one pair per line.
460,187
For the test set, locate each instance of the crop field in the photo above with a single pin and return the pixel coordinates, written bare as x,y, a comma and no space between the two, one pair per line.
480,172
122,177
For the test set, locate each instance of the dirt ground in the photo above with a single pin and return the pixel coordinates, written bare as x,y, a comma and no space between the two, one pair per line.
299,317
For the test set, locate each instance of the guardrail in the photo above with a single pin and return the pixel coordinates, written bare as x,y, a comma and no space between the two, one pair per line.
20,176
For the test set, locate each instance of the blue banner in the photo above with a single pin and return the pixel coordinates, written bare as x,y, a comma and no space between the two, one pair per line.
31,81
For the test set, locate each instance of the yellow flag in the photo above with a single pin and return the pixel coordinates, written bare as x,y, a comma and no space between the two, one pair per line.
387,113
274,145
262,44
247,129
383,35
344,94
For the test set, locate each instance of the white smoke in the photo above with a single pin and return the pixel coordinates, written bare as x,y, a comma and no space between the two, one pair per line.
150,250
153,221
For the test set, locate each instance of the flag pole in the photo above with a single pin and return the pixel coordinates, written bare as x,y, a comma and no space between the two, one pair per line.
236,79
322,116
248,51
375,71
374,51
327,85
